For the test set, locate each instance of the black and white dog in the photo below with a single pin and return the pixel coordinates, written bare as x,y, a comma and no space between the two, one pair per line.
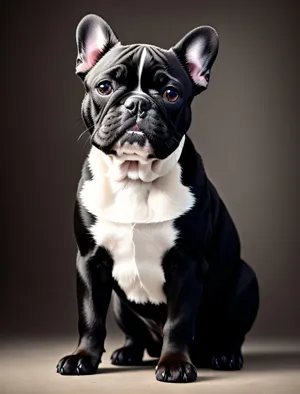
149,224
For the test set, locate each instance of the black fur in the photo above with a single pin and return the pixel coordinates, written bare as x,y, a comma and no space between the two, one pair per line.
212,294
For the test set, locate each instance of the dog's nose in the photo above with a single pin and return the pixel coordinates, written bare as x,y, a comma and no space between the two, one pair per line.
138,105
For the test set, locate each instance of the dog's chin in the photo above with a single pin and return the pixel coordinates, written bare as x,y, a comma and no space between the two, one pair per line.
134,153
131,152
128,160
130,170
134,143
133,158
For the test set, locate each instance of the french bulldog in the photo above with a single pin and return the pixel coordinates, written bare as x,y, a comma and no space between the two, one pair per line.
152,232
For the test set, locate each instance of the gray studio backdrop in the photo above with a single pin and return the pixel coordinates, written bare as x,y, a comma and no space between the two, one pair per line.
245,126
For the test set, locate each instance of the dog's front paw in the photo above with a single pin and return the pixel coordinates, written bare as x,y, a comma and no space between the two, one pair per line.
127,355
227,361
178,370
77,364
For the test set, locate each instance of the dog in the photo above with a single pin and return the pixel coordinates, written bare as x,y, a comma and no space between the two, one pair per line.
152,232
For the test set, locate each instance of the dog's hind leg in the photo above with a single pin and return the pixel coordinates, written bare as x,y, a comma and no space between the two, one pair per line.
221,341
137,336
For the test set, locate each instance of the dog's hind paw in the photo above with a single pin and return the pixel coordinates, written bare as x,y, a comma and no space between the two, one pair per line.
227,361
127,355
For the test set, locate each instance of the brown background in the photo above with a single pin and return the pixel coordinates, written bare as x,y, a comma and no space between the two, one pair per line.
245,126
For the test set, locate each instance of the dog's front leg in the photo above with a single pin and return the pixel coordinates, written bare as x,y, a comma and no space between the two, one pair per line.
183,290
94,288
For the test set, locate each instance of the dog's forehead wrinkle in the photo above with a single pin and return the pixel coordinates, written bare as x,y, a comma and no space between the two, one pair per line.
116,56
130,56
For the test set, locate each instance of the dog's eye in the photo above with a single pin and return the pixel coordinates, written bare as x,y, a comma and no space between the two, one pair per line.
171,94
105,88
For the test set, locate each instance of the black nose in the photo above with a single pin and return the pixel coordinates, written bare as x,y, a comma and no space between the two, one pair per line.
138,105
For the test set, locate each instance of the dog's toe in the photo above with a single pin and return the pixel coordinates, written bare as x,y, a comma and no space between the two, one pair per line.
77,365
227,361
127,355
177,372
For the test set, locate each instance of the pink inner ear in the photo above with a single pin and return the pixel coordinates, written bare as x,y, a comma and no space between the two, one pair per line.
90,60
195,72
93,50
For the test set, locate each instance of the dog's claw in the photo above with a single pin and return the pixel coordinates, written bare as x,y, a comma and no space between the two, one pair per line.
176,372
227,362
76,364
127,355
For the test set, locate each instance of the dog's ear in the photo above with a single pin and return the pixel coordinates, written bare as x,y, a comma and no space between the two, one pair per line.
94,37
197,51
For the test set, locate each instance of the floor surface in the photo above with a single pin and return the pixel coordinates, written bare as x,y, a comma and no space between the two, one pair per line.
29,368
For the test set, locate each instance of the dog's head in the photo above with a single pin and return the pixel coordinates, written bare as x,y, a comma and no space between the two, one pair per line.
138,97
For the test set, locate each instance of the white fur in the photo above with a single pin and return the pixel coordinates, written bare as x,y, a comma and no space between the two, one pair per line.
141,66
135,132
158,196
137,251
126,164
135,219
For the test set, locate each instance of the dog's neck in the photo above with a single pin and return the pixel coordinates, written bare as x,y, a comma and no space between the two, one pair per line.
157,196
119,169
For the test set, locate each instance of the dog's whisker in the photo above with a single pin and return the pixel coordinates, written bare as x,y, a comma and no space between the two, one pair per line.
179,135
88,139
78,123
82,134
175,139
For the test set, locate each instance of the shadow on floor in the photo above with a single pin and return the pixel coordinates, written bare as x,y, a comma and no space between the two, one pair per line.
256,362
148,364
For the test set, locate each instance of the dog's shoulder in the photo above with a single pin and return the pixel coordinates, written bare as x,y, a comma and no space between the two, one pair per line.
193,173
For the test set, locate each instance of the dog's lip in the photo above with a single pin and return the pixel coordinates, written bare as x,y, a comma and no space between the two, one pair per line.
129,131
133,156
134,153
134,128
126,150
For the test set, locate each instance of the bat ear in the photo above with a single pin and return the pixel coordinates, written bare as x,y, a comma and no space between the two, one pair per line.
198,51
94,37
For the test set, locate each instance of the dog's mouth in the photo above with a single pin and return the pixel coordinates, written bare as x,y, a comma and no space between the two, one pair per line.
133,146
132,154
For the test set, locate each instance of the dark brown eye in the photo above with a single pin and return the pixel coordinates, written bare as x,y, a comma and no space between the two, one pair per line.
105,88
171,94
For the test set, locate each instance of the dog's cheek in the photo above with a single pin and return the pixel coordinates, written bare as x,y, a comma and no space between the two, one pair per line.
182,119
86,111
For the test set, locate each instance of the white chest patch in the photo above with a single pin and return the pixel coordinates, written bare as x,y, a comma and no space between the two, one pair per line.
137,251
134,222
